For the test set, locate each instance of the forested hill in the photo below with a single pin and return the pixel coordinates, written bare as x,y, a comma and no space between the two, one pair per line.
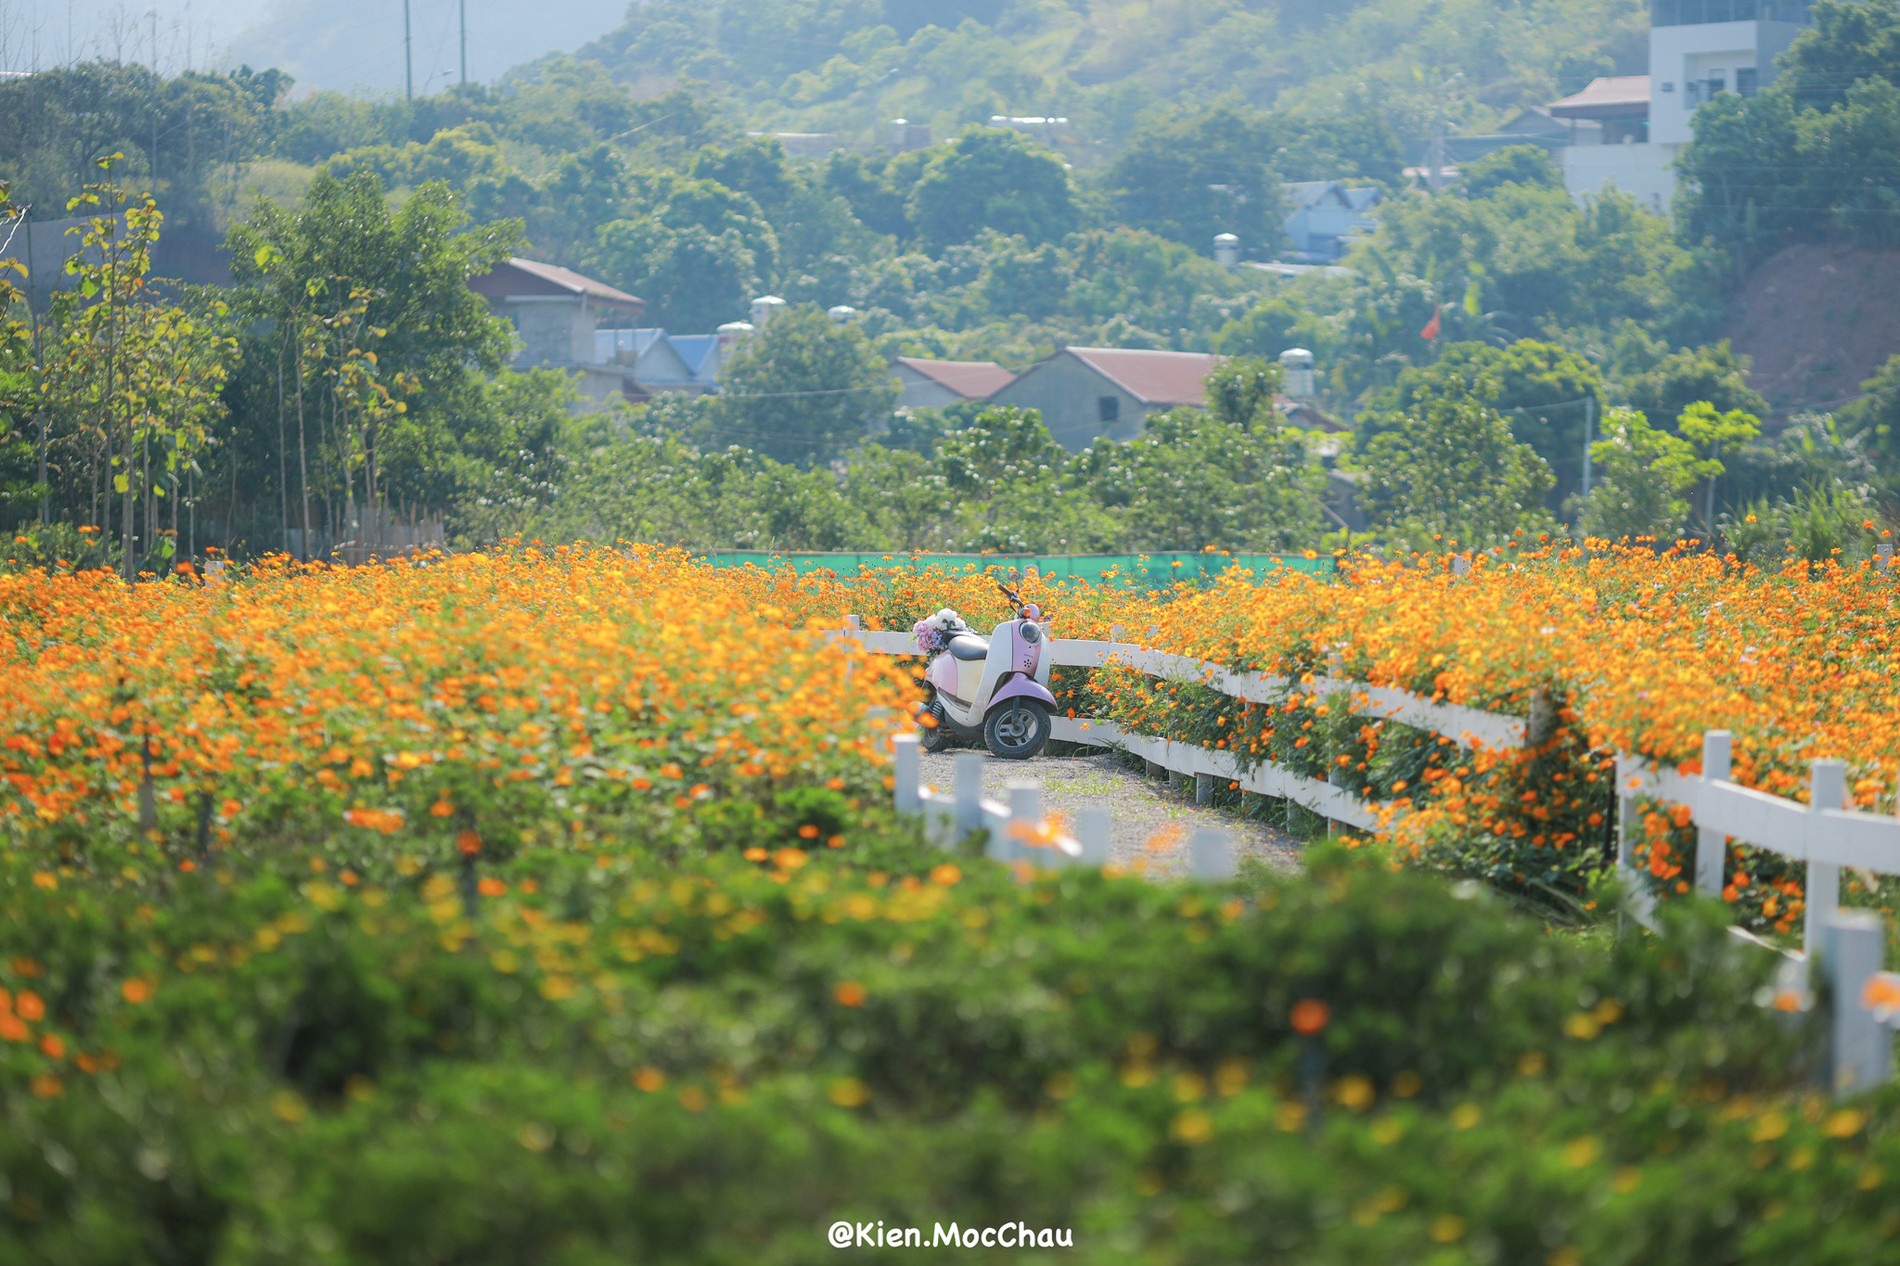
848,66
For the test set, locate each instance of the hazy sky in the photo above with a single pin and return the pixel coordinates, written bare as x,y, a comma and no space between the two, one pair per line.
345,44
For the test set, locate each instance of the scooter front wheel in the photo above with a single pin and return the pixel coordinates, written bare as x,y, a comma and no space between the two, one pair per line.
1017,730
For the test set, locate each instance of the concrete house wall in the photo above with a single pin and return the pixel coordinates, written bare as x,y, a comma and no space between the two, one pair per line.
554,330
1070,395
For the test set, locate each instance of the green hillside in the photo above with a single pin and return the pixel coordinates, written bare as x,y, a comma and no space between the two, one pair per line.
848,66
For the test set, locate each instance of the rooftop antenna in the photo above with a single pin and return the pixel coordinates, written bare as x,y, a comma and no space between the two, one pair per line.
462,9
408,62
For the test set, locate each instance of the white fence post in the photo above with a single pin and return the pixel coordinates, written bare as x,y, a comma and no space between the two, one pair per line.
1025,814
904,774
1203,789
1092,827
1711,847
1862,1055
1210,854
1640,902
1827,789
969,793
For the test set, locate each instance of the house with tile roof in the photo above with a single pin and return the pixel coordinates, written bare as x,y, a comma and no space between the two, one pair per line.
935,383
1086,392
556,313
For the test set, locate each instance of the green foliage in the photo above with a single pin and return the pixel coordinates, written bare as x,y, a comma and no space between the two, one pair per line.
1545,391
1192,175
1349,81
1529,165
1195,480
1641,474
1715,375
63,120
1241,392
1875,418
991,179
427,329
1813,151
1714,436
803,389
1819,523
652,1056
1452,469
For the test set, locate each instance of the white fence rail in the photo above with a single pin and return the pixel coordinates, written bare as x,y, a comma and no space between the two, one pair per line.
1825,833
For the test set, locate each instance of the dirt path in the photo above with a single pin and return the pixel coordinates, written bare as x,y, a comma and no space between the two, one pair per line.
1141,808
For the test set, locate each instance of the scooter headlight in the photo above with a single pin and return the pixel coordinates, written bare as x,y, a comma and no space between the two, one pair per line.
1032,633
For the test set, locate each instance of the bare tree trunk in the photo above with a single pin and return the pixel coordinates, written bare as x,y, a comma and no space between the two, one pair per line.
283,476
303,464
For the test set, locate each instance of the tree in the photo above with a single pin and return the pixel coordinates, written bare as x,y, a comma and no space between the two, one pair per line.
1241,392
804,388
1513,165
1642,474
691,279
1452,469
1003,445
1193,174
308,270
992,178
1715,375
1545,391
1193,479
1817,145
20,483
1875,418
1714,434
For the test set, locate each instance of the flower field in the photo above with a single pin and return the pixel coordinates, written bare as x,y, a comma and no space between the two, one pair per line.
546,906
1642,653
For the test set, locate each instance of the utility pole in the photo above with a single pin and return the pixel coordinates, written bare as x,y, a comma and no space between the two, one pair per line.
408,61
154,159
462,10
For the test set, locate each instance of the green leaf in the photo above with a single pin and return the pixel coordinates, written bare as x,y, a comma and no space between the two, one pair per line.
121,483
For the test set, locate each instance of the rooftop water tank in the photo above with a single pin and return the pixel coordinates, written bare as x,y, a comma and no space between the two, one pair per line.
842,313
1297,363
764,307
1226,250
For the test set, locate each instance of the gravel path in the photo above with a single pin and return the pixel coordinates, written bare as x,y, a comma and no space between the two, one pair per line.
1145,812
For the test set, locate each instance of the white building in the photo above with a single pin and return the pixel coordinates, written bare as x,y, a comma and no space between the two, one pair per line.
1697,48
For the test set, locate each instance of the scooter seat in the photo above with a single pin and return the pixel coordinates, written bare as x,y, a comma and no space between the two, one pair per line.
968,646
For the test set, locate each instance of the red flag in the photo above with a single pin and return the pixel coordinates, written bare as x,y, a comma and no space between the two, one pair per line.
1431,327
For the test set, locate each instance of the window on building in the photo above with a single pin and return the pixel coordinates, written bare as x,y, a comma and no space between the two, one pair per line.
1718,82
1745,81
1108,408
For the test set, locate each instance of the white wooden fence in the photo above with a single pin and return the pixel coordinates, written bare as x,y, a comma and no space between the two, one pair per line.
1825,833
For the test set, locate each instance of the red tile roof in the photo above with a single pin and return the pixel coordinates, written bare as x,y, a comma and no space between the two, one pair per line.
971,379
1165,378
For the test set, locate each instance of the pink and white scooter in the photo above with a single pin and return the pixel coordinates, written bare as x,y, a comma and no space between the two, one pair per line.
994,688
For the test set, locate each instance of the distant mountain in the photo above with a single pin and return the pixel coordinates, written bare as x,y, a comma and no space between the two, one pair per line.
358,44
850,66
348,45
